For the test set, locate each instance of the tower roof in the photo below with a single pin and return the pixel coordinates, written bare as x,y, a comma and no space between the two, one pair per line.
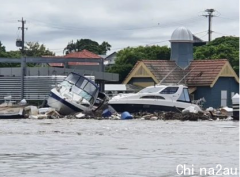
181,34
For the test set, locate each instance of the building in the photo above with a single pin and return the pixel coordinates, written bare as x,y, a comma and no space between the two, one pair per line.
110,59
213,80
84,54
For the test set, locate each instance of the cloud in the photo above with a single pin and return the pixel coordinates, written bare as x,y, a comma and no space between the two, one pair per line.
121,23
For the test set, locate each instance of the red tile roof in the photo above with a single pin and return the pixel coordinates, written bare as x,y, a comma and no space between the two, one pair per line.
204,72
199,73
82,54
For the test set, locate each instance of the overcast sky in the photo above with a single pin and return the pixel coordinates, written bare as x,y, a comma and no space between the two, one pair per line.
121,23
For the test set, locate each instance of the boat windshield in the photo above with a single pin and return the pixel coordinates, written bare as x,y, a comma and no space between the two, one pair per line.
151,89
82,87
184,97
72,78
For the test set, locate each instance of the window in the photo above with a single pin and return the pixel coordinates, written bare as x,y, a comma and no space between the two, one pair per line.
72,78
90,88
224,98
81,83
151,90
184,97
169,90
153,97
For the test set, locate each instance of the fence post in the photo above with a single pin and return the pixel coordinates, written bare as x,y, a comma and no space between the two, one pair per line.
23,70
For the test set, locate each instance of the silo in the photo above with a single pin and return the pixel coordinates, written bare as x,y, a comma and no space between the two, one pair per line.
182,47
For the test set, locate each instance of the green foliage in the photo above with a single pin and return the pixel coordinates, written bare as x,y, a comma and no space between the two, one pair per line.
10,54
121,69
128,57
89,45
2,48
31,50
34,49
220,48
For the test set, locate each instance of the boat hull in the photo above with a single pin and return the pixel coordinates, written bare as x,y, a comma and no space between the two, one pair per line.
12,113
133,108
62,106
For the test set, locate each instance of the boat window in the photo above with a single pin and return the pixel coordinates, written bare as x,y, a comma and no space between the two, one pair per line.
72,78
151,90
76,90
81,83
85,95
66,84
90,88
184,96
169,90
153,97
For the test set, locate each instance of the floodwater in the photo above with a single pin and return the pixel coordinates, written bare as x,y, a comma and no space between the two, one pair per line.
109,148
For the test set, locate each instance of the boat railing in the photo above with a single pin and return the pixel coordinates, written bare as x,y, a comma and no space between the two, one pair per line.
200,102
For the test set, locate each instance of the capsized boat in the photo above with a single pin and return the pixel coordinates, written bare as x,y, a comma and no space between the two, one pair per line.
76,94
153,99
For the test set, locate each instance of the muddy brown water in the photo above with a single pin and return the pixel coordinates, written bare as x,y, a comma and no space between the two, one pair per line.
109,148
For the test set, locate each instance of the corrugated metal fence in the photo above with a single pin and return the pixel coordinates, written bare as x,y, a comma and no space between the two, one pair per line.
35,87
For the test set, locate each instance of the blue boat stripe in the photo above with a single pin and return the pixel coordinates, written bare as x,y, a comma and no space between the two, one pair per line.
53,95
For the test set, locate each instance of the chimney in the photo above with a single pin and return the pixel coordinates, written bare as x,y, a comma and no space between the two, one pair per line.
182,47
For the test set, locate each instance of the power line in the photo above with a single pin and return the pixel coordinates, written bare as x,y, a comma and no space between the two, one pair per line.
71,28
158,41
222,33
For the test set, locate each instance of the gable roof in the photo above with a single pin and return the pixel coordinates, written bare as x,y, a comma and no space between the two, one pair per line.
82,54
207,72
199,72
165,71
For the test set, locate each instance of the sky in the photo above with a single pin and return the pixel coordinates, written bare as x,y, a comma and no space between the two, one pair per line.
121,23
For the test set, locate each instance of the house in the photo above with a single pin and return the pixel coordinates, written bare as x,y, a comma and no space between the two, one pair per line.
213,80
110,59
84,54
197,41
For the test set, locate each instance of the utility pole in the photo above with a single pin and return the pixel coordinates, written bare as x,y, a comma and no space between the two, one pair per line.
23,61
23,36
209,15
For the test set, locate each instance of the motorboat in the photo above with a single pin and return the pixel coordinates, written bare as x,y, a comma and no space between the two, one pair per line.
10,110
154,98
76,93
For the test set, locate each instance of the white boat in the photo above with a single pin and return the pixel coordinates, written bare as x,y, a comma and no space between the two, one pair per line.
75,94
154,98
10,110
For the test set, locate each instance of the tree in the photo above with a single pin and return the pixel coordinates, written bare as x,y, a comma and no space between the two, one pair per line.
128,57
87,44
220,48
2,48
34,49
10,54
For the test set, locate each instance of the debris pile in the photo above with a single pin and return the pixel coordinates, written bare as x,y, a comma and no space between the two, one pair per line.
173,116
107,112
33,112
